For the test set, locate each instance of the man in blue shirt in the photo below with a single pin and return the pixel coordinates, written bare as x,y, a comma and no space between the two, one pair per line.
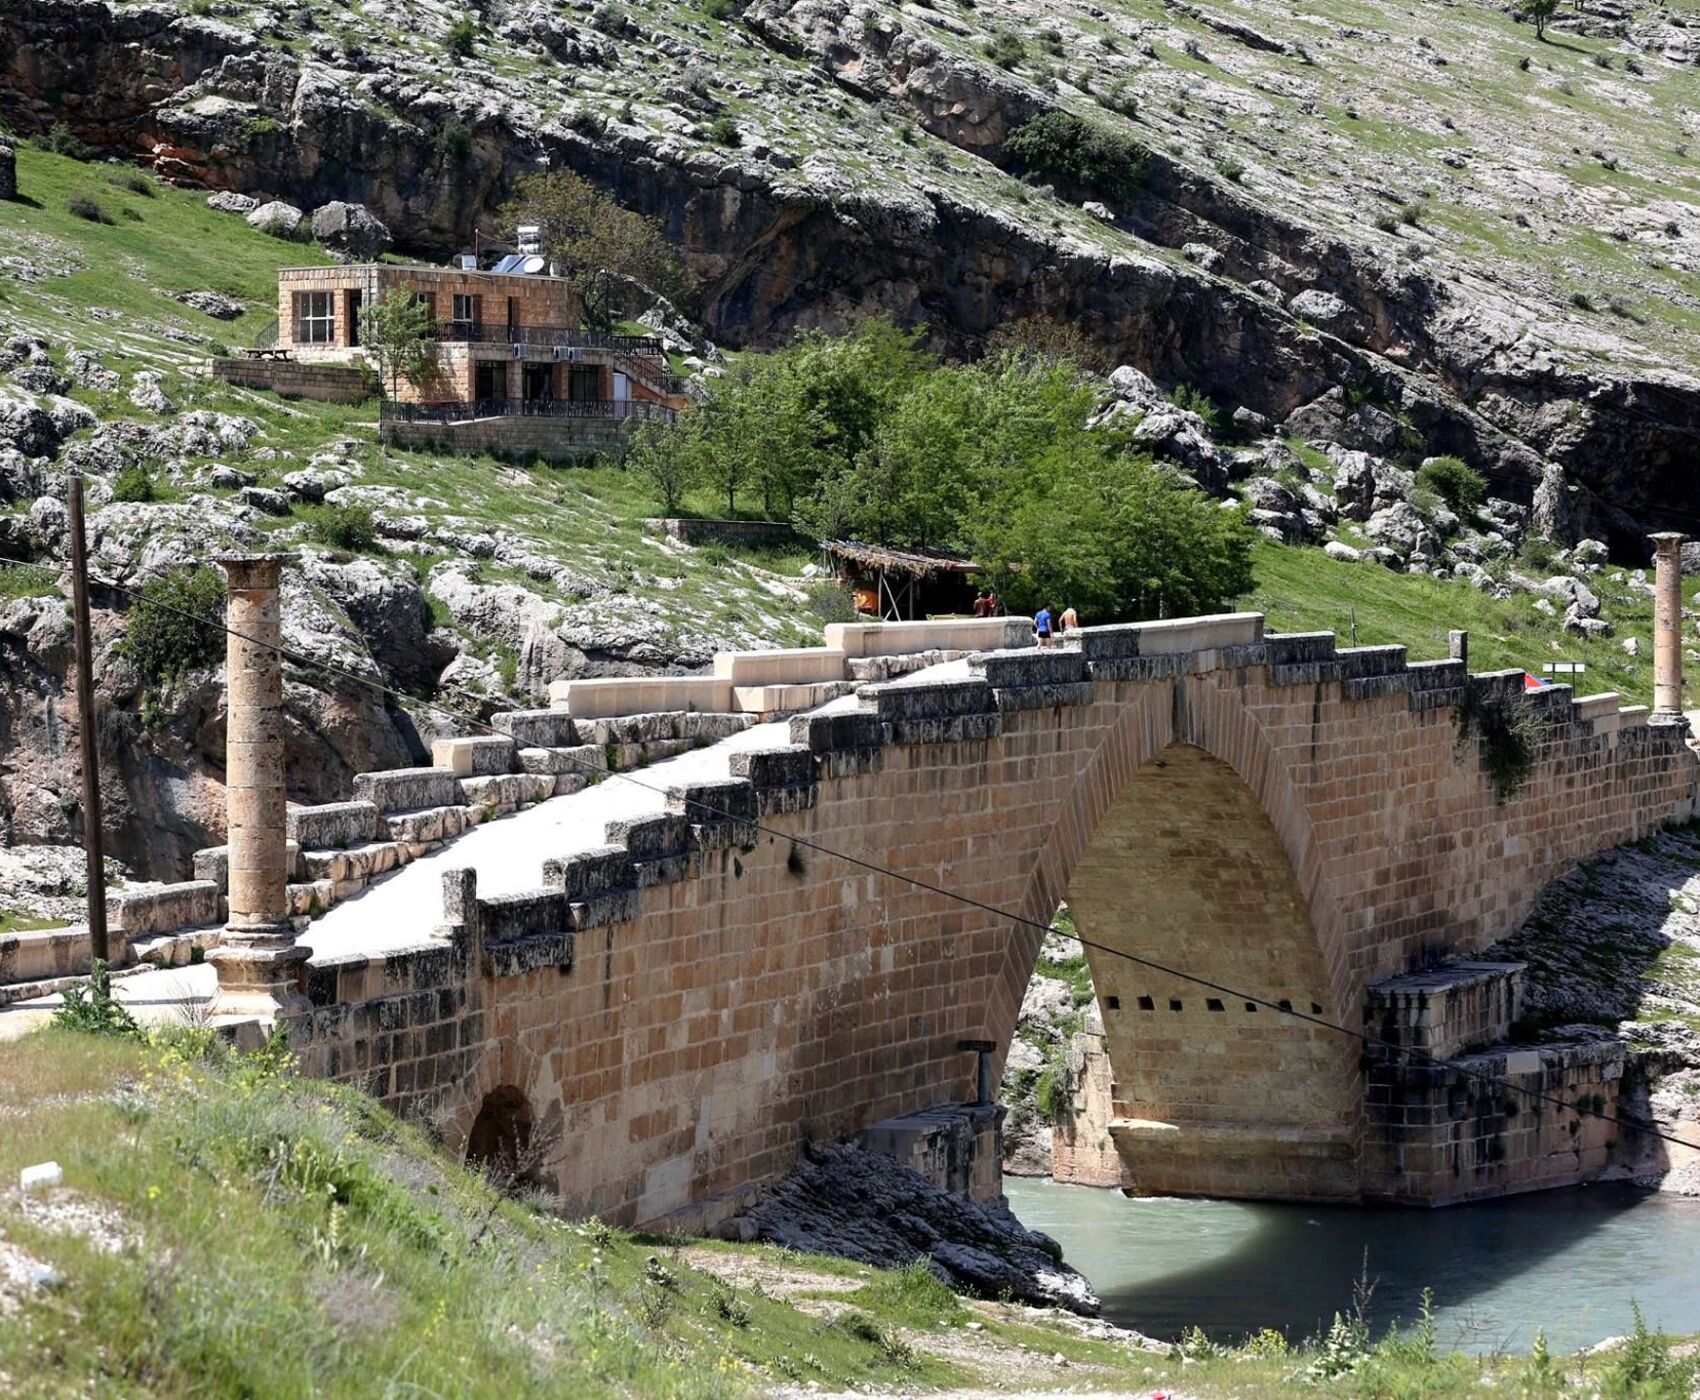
1042,626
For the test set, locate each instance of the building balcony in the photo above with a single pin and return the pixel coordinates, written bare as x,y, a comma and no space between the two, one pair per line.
550,337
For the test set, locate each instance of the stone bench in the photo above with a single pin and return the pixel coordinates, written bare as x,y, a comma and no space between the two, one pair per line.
408,789
537,729
475,756
333,825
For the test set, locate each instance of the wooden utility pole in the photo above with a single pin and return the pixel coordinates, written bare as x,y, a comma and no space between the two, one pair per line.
85,723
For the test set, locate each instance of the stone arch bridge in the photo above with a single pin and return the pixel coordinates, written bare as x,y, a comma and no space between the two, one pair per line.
680,1009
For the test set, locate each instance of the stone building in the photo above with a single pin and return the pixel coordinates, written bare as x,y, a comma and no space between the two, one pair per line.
513,359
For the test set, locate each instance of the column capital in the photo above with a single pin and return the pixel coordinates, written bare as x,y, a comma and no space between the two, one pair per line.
245,572
1667,539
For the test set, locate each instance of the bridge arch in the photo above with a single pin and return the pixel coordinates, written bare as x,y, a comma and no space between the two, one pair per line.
1185,843
500,1141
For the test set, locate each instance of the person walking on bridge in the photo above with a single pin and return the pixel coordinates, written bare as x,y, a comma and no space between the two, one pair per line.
1068,621
1042,626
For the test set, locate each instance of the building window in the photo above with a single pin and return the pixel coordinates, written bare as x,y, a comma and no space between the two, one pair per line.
315,318
466,308
429,301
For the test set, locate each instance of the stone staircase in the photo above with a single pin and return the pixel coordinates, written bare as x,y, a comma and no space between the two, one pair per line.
337,849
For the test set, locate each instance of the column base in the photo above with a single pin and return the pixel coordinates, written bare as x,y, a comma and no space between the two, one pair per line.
259,974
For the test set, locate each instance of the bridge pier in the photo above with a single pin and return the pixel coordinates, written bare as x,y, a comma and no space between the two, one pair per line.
258,962
1667,624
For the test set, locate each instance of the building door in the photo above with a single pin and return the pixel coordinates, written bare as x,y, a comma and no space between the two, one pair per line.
490,381
354,301
584,384
539,383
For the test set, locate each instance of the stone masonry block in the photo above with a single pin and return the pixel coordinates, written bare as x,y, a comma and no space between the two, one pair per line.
408,789
792,766
1043,697
829,733
1046,667
583,759
519,956
586,874
943,700
722,800
167,908
537,729
651,838
332,825
505,917
475,755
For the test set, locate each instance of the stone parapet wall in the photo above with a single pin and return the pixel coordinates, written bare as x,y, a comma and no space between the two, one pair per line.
552,439
295,380
735,988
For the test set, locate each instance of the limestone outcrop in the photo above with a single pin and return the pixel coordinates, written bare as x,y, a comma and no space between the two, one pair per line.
862,1205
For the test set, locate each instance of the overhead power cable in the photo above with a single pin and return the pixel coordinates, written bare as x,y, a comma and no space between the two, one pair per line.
708,809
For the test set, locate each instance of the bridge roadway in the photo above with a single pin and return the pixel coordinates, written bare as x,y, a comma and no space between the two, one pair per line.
399,911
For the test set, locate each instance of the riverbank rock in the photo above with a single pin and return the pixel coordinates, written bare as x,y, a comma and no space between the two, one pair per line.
856,1204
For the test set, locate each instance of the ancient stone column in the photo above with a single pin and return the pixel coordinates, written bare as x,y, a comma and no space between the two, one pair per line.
1667,623
259,965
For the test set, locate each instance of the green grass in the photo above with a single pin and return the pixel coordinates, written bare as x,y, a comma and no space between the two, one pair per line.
174,243
11,921
1302,590
299,1240
287,1237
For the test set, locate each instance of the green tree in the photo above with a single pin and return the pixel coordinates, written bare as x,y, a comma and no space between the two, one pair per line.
397,332
666,459
176,625
1540,11
1460,485
597,244
1066,147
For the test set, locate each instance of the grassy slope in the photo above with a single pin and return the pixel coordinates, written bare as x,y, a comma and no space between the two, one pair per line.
587,518
288,1238
1303,590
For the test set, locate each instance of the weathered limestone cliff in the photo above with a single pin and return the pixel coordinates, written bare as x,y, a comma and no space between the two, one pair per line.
1246,260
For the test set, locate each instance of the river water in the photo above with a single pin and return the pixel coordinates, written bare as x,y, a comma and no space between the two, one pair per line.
1567,1261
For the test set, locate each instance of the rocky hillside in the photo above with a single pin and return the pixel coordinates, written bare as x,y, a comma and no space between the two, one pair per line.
1489,233
465,585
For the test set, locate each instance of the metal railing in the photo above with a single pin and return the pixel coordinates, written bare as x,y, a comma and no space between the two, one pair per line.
619,410
501,333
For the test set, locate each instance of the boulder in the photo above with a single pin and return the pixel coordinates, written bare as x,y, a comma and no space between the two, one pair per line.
1335,549
85,368
1202,255
229,202
8,172
1575,620
148,393
350,232
1319,307
278,219
214,304
1575,592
